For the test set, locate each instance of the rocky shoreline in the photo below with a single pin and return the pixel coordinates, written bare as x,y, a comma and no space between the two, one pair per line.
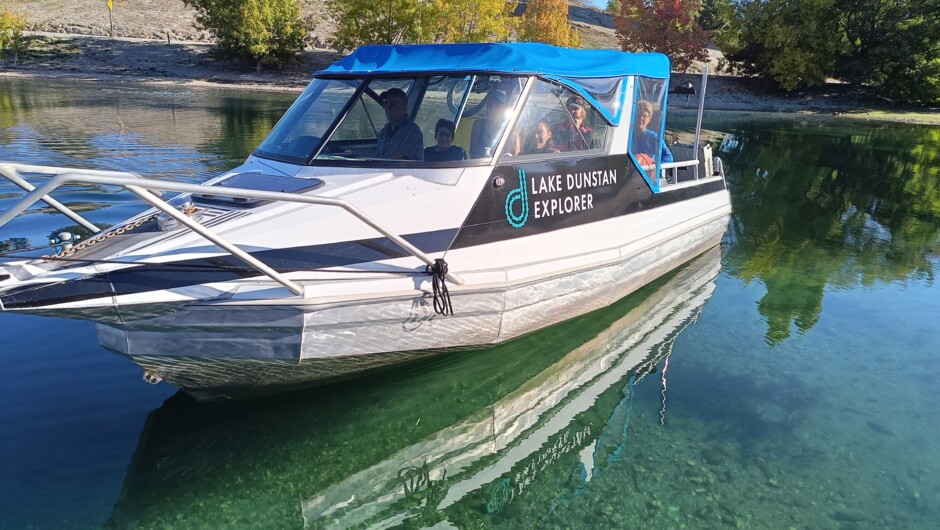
144,60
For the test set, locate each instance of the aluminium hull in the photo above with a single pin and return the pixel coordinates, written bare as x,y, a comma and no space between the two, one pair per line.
219,351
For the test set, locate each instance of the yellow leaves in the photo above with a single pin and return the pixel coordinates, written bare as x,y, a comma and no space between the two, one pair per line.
547,21
472,20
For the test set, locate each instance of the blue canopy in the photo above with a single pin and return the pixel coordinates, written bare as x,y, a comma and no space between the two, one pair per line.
512,57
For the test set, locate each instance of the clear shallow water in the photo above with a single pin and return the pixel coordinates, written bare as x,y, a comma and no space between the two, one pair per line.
801,365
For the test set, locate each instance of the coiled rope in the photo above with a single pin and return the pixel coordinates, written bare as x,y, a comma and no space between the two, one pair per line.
438,272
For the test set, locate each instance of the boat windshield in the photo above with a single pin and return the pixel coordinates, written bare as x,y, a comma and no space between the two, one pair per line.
396,118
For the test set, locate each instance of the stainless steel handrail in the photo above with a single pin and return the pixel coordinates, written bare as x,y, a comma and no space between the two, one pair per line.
11,172
144,188
674,166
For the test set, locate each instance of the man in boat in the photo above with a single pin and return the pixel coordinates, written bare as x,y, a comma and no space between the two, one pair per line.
573,134
401,138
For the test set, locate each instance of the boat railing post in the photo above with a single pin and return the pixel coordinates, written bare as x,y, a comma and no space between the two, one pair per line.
698,121
184,219
13,176
144,188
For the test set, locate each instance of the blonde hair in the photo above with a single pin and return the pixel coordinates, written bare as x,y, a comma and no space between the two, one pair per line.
646,105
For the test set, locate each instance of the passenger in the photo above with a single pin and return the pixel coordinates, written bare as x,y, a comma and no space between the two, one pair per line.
401,138
573,134
485,132
445,150
541,141
646,141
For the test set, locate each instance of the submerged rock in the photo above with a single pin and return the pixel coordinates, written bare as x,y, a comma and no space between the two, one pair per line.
850,516
713,456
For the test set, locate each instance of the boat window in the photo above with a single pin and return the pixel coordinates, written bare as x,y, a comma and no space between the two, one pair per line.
357,136
488,109
297,135
607,91
344,119
556,119
442,100
646,130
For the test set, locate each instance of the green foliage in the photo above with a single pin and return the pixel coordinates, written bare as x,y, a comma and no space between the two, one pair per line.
715,14
888,46
613,7
258,30
788,40
12,24
360,22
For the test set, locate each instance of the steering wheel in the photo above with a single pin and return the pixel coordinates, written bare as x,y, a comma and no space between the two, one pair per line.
468,111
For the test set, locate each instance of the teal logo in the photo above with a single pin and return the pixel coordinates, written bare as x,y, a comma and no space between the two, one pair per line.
522,197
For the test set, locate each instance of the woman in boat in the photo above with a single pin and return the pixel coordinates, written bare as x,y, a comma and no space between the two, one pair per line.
445,150
541,140
646,141
573,134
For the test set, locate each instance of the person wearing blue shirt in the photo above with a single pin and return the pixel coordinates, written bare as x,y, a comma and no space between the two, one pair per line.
445,150
401,138
644,140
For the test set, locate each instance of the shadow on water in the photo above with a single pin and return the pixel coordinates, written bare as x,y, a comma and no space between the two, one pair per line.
497,436
839,206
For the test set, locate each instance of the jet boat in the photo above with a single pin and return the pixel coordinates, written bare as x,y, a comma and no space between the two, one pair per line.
414,199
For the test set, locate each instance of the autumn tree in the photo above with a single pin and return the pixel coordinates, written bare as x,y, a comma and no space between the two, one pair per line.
12,24
360,22
256,30
472,20
547,21
665,26
613,7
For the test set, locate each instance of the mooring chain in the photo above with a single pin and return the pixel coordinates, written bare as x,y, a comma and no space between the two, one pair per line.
97,239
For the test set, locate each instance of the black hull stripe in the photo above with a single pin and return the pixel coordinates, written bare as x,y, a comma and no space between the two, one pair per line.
177,274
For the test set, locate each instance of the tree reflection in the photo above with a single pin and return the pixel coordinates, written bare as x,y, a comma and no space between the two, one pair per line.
246,119
841,205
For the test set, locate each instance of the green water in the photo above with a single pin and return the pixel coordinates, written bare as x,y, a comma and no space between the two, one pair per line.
790,380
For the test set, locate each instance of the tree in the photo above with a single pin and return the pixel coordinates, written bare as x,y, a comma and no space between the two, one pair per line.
665,26
613,7
887,46
891,45
257,30
547,21
715,14
473,20
12,24
360,22
791,41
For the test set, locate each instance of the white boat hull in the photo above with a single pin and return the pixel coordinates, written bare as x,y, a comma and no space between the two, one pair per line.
226,350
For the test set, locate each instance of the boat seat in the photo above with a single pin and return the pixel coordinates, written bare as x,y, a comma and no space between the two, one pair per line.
462,136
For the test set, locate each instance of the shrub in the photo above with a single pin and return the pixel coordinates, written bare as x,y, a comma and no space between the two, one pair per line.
261,31
12,23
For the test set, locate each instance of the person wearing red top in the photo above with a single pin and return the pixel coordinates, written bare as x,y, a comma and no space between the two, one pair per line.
573,134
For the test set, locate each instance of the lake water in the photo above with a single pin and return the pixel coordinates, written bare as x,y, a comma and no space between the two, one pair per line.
791,380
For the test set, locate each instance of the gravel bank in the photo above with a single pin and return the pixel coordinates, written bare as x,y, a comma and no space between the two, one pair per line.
158,42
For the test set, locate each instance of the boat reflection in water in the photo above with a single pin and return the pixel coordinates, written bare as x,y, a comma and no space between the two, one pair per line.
383,454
